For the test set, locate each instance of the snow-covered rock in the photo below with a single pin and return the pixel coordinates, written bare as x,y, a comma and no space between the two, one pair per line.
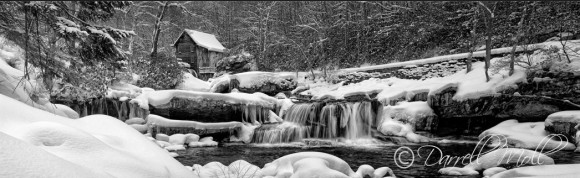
238,169
162,137
529,135
400,120
502,156
192,83
566,123
559,170
177,139
191,138
314,164
135,120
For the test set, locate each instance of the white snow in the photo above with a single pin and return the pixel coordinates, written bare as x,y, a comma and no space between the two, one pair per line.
470,85
164,122
572,117
237,169
529,135
68,111
135,120
192,83
101,33
545,171
317,164
391,118
92,146
257,78
223,80
455,56
157,98
14,85
499,157
205,40
121,89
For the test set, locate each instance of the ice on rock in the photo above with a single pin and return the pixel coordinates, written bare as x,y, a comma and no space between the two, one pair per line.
530,135
502,156
273,118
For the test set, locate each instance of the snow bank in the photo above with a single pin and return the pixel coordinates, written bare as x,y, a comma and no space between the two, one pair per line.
96,145
503,156
14,85
529,135
316,164
157,98
192,83
68,111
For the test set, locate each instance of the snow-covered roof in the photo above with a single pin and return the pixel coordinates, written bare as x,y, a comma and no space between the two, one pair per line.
205,40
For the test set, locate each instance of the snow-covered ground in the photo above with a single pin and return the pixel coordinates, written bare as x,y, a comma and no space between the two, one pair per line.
470,85
92,146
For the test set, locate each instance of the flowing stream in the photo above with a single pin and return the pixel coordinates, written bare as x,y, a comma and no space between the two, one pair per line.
375,156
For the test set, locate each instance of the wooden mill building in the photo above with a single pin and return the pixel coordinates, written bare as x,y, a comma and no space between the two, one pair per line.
200,50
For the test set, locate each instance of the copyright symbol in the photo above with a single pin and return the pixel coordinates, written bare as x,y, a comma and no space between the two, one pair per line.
399,157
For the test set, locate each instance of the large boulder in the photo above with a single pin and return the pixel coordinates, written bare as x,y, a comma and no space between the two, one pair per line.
566,123
264,82
206,110
475,115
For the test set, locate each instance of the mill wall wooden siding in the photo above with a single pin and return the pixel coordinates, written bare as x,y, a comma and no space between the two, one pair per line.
201,60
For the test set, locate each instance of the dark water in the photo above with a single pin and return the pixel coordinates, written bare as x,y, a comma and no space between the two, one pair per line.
375,156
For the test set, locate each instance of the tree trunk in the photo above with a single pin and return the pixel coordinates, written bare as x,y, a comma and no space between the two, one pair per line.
157,29
487,47
516,40
472,47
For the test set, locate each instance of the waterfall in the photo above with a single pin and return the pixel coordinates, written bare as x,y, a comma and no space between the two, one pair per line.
122,110
350,120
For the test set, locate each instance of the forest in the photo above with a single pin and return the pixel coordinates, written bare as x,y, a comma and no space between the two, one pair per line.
90,44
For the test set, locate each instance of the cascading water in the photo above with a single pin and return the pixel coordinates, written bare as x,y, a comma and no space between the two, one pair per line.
122,110
350,120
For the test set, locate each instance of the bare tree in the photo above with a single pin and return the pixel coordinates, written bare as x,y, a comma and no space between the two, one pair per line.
488,26
157,28
516,39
